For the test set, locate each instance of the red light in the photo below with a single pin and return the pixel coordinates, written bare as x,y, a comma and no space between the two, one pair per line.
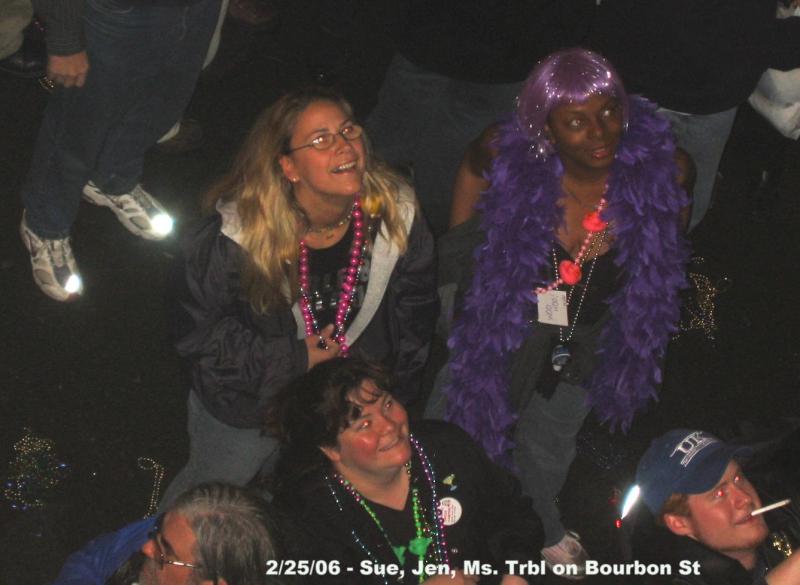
618,523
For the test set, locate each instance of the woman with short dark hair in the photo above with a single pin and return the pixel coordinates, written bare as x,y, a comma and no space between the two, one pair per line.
367,488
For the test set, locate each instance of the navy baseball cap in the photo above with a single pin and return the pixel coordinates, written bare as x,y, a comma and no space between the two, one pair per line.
683,461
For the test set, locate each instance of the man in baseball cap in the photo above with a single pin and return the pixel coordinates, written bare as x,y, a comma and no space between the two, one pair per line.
694,486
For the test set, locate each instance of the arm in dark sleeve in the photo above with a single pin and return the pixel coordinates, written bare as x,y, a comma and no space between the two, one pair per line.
63,26
236,358
415,308
99,560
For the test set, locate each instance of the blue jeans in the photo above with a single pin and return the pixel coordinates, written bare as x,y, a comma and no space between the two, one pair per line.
427,120
704,138
144,59
219,452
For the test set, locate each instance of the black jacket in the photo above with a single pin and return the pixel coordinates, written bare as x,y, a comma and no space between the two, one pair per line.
236,358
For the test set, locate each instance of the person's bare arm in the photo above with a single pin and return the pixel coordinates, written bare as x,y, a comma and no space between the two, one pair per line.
470,181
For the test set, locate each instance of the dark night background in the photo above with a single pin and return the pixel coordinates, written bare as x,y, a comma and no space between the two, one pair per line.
100,379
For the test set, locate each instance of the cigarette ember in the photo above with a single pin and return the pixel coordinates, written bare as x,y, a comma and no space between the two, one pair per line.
779,504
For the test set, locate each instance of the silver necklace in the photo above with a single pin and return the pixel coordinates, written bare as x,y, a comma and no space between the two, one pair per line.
331,226
561,354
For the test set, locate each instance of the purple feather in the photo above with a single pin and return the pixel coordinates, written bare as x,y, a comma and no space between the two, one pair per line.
519,218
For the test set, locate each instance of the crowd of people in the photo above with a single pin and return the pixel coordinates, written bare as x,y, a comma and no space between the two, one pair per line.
306,301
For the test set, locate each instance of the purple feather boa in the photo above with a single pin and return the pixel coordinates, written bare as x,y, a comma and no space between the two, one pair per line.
519,216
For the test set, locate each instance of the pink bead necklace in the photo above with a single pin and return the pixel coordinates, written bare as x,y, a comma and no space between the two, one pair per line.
569,271
349,288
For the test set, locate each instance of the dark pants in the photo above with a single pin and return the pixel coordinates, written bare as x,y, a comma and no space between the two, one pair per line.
426,120
144,59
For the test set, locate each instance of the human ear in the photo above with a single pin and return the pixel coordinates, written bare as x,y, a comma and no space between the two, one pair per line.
332,453
149,549
288,168
679,525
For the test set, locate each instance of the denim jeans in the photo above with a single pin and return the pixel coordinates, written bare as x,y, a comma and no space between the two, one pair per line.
704,138
546,444
427,120
219,452
545,438
144,59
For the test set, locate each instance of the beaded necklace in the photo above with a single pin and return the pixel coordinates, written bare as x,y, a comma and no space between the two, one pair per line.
561,354
417,545
425,533
349,286
569,271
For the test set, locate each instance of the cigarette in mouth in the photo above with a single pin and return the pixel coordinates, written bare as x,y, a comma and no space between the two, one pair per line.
770,507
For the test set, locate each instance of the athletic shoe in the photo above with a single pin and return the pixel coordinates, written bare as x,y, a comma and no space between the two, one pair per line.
568,551
54,267
138,211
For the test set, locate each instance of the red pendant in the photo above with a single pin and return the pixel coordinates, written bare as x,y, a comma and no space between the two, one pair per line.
593,223
569,272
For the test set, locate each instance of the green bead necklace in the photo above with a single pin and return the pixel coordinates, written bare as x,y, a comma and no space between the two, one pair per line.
418,545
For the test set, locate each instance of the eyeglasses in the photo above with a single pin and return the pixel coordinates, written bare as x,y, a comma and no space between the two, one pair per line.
328,139
162,559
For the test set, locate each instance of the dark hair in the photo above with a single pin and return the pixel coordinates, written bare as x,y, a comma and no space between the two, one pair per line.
232,528
311,411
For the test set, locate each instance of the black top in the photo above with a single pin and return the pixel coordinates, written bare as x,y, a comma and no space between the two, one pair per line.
497,523
327,271
600,280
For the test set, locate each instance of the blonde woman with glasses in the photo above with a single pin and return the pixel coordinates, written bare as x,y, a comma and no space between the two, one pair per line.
313,250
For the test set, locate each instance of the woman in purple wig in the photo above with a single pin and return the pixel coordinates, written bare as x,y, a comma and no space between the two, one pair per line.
575,288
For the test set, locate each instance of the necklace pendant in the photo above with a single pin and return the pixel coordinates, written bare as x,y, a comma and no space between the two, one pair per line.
560,357
419,545
569,271
400,553
593,223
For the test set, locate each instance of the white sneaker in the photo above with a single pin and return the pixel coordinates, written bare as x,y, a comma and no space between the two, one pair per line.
138,211
567,551
54,267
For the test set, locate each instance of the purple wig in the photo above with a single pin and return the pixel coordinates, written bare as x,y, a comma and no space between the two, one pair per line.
568,76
